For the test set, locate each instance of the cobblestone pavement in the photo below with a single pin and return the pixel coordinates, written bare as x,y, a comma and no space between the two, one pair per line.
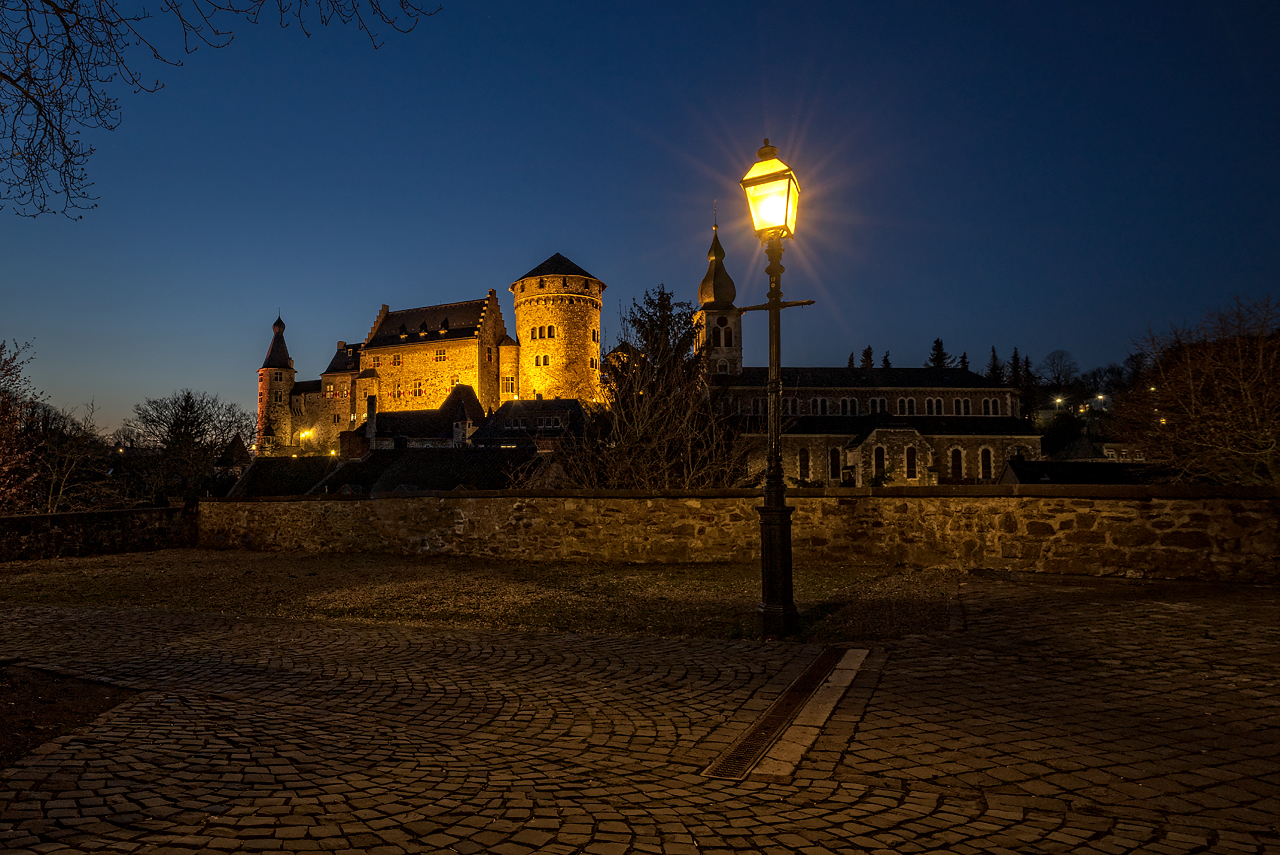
1082,718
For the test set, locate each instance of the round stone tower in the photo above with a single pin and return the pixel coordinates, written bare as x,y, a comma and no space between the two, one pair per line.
275,382
558,325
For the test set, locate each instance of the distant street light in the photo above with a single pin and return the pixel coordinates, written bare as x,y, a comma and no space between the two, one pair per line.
773,195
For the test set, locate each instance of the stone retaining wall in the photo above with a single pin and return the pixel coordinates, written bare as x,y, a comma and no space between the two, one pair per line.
95,533
1115,531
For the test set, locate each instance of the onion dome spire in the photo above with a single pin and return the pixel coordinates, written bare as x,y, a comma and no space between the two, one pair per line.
278,353
717,290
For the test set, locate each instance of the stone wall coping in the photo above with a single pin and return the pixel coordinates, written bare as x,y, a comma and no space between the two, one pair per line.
1047,491
87,516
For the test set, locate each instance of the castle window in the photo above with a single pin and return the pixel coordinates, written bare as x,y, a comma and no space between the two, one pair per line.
537,361
911,463
728,338
453,382
986,463
803,464
533,332
441,356
546,360
509,385
396,392
542,332
595,363
336,417
967,409
353,417
396,360
328,390
488,356
595,335
879,461
417,388
377,362
551,331
277,396
835,464
715,336
722,368
957,463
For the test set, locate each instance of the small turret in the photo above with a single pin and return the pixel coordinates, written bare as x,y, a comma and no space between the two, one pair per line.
721,321
717,290
275,382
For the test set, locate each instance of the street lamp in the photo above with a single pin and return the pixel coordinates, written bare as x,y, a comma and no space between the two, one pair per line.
773,195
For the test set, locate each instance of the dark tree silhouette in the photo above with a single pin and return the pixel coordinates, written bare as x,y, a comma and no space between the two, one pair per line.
1015,369
884,361
61,59
962,362
18,401
938,356
868,358
186,431
995,368
1059,368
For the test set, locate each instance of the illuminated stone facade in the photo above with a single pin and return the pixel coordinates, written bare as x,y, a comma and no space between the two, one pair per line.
412,358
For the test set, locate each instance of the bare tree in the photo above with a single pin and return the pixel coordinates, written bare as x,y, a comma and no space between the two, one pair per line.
70,461
187,431
1059,369
1208,402
60,58
18,399
661,425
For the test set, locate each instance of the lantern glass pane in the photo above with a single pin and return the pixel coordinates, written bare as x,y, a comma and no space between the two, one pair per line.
793,204
764,168
769,204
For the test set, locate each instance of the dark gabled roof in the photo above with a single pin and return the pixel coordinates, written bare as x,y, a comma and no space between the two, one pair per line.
461,404
507,340
277,353
423,469
463,320
341,362
1018,471
858,428
557,265
306,387
499,430
869,378
235,454
281,476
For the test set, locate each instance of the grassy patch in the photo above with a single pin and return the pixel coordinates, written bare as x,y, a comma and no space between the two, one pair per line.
838,603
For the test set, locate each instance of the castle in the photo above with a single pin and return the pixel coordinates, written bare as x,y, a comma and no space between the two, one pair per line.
844,426
413,358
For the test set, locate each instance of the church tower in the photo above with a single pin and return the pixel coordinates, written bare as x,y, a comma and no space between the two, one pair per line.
558,324
275,382
721,322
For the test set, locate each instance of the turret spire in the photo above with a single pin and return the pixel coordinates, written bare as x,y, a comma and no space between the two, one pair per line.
717,290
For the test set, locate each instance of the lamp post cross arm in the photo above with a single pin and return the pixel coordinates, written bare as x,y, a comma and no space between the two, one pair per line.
783,305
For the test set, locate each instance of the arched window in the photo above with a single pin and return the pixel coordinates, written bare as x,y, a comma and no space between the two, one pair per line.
967,410
715,336
537,360
911,462
957,463
813,406
728,338
803,463
902,406
844,406
822,406
986,464
928,406
911,406
986,406
533,332
995,406
879,461
551,332
835,464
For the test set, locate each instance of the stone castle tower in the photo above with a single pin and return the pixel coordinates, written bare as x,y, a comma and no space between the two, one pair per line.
721,321
558,324
275,383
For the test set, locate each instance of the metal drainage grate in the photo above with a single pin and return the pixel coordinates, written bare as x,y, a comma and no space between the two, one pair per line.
740,757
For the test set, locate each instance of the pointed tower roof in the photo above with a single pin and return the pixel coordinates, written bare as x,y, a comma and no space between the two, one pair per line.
717,290
278,353
557,265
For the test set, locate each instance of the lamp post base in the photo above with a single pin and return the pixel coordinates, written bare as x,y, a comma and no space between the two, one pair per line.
777,614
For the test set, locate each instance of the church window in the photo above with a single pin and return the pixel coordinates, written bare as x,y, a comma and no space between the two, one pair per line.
417,388
995,406
803,464
441,356
813,406
822,406
397,361
957,463
879,461
551,331
911,463
715,336
509,385
835,464
986,463
728,338
902,406
911,406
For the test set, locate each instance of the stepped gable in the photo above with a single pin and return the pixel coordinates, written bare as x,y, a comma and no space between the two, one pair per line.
428,323
557,265
278,353
717,290
871,378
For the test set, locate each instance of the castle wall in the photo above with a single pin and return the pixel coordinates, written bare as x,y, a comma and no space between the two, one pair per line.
1137,532
566,366
436,365
508,373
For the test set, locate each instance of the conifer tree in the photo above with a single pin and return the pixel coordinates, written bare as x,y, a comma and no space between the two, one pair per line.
1015,369
995,370
938,357
868,358
884,363
963,362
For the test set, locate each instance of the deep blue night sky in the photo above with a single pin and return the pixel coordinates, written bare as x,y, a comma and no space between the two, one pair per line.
1038,175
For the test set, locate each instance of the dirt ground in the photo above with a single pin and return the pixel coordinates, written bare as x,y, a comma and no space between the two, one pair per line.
851,603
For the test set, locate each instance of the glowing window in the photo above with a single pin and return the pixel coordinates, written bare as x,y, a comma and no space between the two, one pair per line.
396,361
377,362
551,332
441,356
542,332
417,388
509,385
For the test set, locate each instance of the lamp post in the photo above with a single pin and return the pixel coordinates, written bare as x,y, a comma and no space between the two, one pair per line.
773,195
